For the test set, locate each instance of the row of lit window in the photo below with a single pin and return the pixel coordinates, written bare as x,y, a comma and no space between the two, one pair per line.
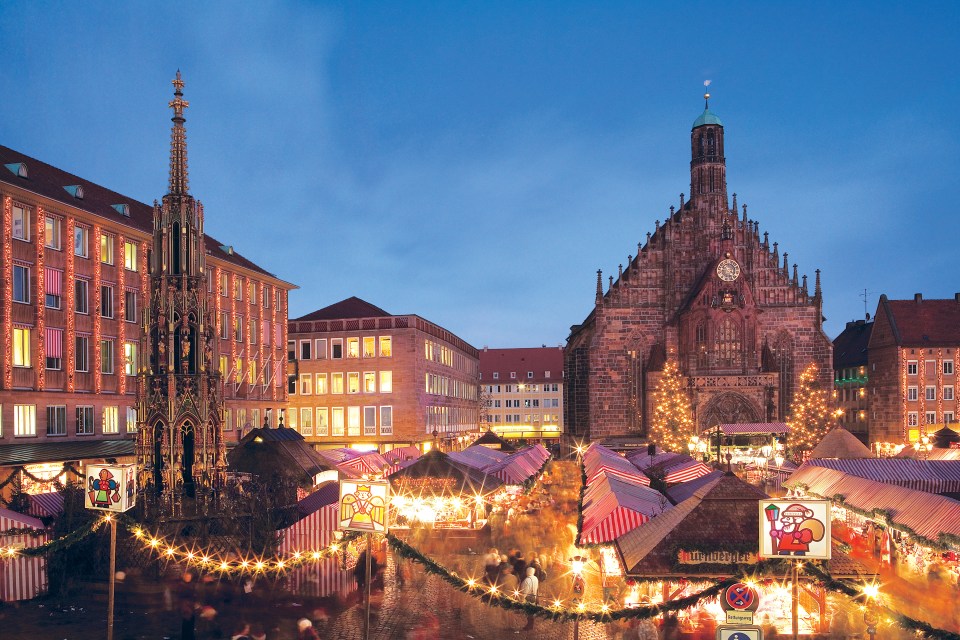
513,375
53,287
930,417
246,370
929,393
81,238
336,385
340,421
438,385
317,349
54,348
528,418
25,420
527,403
435,352
524,388
443,419
912,367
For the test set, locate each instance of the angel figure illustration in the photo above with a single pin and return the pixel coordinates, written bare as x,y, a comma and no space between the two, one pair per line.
362,510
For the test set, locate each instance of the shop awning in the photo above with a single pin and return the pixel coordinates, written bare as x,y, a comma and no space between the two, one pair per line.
672,467
519,467
402,453
598,460
928,514
46,504
612,507
33,452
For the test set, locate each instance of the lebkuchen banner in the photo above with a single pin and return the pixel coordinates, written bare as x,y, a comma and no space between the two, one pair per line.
110,487
795,528
363,506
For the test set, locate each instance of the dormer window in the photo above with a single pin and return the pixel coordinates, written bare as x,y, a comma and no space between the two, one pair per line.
18,169
122,209
75,190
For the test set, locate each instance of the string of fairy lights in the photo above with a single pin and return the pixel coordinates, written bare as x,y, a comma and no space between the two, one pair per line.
557,609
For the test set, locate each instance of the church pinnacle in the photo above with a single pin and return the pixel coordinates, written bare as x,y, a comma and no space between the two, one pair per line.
179,183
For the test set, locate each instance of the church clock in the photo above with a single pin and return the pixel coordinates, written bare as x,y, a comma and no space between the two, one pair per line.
728,270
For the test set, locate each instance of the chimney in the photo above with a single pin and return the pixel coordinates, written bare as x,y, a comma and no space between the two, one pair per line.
918,297
956,297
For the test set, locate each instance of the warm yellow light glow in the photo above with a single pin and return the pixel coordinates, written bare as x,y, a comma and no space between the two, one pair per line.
316,555
259,565
154,542
557,604
581,607
471,583
281,564
224,566
872,591
169,551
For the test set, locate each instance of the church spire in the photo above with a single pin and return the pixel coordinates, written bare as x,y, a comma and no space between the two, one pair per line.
708,169
179,183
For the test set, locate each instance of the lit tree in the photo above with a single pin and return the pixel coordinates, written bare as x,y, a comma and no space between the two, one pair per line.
672,425
809,414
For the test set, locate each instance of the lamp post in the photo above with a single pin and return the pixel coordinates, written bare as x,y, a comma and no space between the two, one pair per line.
923,445
577,564
697,447
870,618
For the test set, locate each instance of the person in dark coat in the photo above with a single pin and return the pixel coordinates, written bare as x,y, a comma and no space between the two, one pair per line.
519,565
187,605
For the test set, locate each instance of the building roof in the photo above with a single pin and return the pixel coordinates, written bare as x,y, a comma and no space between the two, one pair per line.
60,451
707,117
352,307
328,493
538,360
436,472
49,182
750,428
923,323
840,443
281,451
850,347
493,441
933,476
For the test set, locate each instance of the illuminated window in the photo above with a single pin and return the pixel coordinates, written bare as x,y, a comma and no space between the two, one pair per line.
322,384
369,382
238,328
224,286
253,330
369,347
353,347
306,384
353,382
336,383
51,236
237,288
131,420
106,248
386,382
106,301
306,421
227,424
265,291
129,256
223,365
353,421
21,224
57,421
386,346
81,241
111,419
252,373
912,419
369,421
81,354
84,421
336,420
323,426
21,347
21,284
24,420
106,356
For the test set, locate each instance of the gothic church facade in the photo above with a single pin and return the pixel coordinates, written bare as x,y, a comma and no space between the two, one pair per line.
708,291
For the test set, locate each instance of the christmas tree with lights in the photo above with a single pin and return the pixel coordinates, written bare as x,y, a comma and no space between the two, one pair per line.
672,424
809,414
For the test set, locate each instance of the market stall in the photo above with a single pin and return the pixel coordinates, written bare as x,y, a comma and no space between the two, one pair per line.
932,476
671,467
21,578
612,506
599,460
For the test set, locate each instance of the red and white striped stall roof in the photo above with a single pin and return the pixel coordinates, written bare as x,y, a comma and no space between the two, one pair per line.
598,459
928,514
612,507
750,428
402,453
933,476
685,471
520,466
46,505
21,578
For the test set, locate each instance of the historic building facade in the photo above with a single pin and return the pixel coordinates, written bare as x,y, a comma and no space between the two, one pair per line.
362,377
912,368
707,289
850,378
522,390
77,289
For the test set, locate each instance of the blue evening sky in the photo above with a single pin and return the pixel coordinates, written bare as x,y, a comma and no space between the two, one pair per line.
476,163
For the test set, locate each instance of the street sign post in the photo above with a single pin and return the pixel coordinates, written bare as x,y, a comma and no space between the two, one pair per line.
740,632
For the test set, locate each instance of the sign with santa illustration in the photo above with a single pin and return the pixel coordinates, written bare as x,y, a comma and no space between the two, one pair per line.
110,487
363,506
795,529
